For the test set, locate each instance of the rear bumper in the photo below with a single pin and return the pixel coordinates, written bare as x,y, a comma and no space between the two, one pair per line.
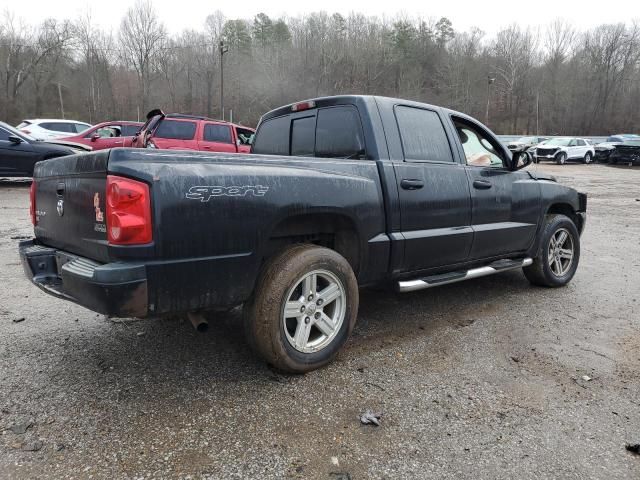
115,289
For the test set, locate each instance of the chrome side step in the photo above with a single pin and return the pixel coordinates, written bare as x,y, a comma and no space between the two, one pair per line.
453,277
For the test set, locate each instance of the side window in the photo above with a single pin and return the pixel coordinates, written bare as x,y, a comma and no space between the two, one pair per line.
63,127
214,132
581,143
80,127
272,137
423,136
479,149
129,130
4,135
47,126
175,129
245,136
572,143
339,133
108,132
303,136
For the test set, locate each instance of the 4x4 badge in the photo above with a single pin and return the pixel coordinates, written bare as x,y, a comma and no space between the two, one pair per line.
60,207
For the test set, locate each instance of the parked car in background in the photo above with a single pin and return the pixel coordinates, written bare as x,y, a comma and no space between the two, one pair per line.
563,149
604,149
107,135
189,132
626,152
525,143
20,152
46,129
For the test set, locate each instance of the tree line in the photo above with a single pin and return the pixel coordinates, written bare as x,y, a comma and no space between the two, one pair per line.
550,80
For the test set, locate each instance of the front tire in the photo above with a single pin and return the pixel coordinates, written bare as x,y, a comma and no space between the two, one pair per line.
561,159
558,253
303,308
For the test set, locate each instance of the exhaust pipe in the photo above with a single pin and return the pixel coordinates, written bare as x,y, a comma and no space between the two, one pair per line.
198,321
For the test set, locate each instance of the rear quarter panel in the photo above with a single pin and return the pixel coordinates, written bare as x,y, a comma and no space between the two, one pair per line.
214,214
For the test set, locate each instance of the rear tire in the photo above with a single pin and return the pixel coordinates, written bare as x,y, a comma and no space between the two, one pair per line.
303,308
561,159
587,158
558,254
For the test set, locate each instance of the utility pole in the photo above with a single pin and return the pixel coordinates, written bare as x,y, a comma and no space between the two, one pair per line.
61,102
490,81
223,49
537,113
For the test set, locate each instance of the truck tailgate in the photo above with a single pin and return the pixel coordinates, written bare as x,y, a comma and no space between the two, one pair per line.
70,204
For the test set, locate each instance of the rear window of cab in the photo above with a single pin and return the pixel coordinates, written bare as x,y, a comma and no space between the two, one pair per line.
331,132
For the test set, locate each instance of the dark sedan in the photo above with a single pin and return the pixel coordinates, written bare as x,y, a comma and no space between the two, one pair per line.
19,152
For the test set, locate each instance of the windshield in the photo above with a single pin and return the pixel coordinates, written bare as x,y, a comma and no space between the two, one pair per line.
526,140
17,133
558,142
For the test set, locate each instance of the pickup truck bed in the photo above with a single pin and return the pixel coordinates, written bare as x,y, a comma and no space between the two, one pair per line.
363,190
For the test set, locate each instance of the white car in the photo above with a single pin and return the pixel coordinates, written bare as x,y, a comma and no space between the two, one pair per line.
562,149
49,128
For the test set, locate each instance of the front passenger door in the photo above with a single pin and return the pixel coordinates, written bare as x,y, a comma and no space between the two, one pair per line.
505,204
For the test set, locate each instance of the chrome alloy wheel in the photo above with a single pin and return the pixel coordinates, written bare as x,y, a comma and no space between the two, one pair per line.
314,311
560,252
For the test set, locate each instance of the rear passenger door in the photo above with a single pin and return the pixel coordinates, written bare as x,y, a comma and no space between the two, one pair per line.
435,205
573,150
583,147
217,137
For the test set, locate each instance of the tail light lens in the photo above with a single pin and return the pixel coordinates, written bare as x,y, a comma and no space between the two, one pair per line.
32,202
128,211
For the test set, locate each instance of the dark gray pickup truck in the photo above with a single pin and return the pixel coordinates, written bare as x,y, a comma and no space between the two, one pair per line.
339,192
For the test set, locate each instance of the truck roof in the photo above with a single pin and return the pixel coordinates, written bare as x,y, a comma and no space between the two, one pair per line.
351,99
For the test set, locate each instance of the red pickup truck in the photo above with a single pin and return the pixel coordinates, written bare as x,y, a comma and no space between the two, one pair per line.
188,132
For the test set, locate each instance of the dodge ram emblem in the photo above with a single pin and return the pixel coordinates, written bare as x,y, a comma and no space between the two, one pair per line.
60,207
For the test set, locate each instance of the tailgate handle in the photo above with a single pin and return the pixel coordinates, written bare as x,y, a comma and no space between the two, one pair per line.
60,188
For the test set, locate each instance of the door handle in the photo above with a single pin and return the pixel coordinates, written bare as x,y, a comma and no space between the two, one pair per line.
411,184
481,184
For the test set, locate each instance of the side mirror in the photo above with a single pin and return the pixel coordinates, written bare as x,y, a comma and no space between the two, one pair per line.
520,160
15,139
95,137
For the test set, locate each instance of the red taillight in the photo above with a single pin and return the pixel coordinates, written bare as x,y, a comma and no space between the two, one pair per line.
32,202
128,211
298,107
26,131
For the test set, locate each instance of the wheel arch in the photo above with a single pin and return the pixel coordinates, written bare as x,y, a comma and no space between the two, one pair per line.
334,230
566,209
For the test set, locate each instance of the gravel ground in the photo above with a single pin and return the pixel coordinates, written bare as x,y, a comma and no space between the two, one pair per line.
482,379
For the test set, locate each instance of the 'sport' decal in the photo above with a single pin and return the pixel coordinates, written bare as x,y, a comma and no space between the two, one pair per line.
205,192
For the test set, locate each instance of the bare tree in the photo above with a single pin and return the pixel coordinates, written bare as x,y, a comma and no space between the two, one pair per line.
141,37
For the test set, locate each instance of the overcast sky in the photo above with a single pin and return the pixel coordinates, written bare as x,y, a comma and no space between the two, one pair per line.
490,16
